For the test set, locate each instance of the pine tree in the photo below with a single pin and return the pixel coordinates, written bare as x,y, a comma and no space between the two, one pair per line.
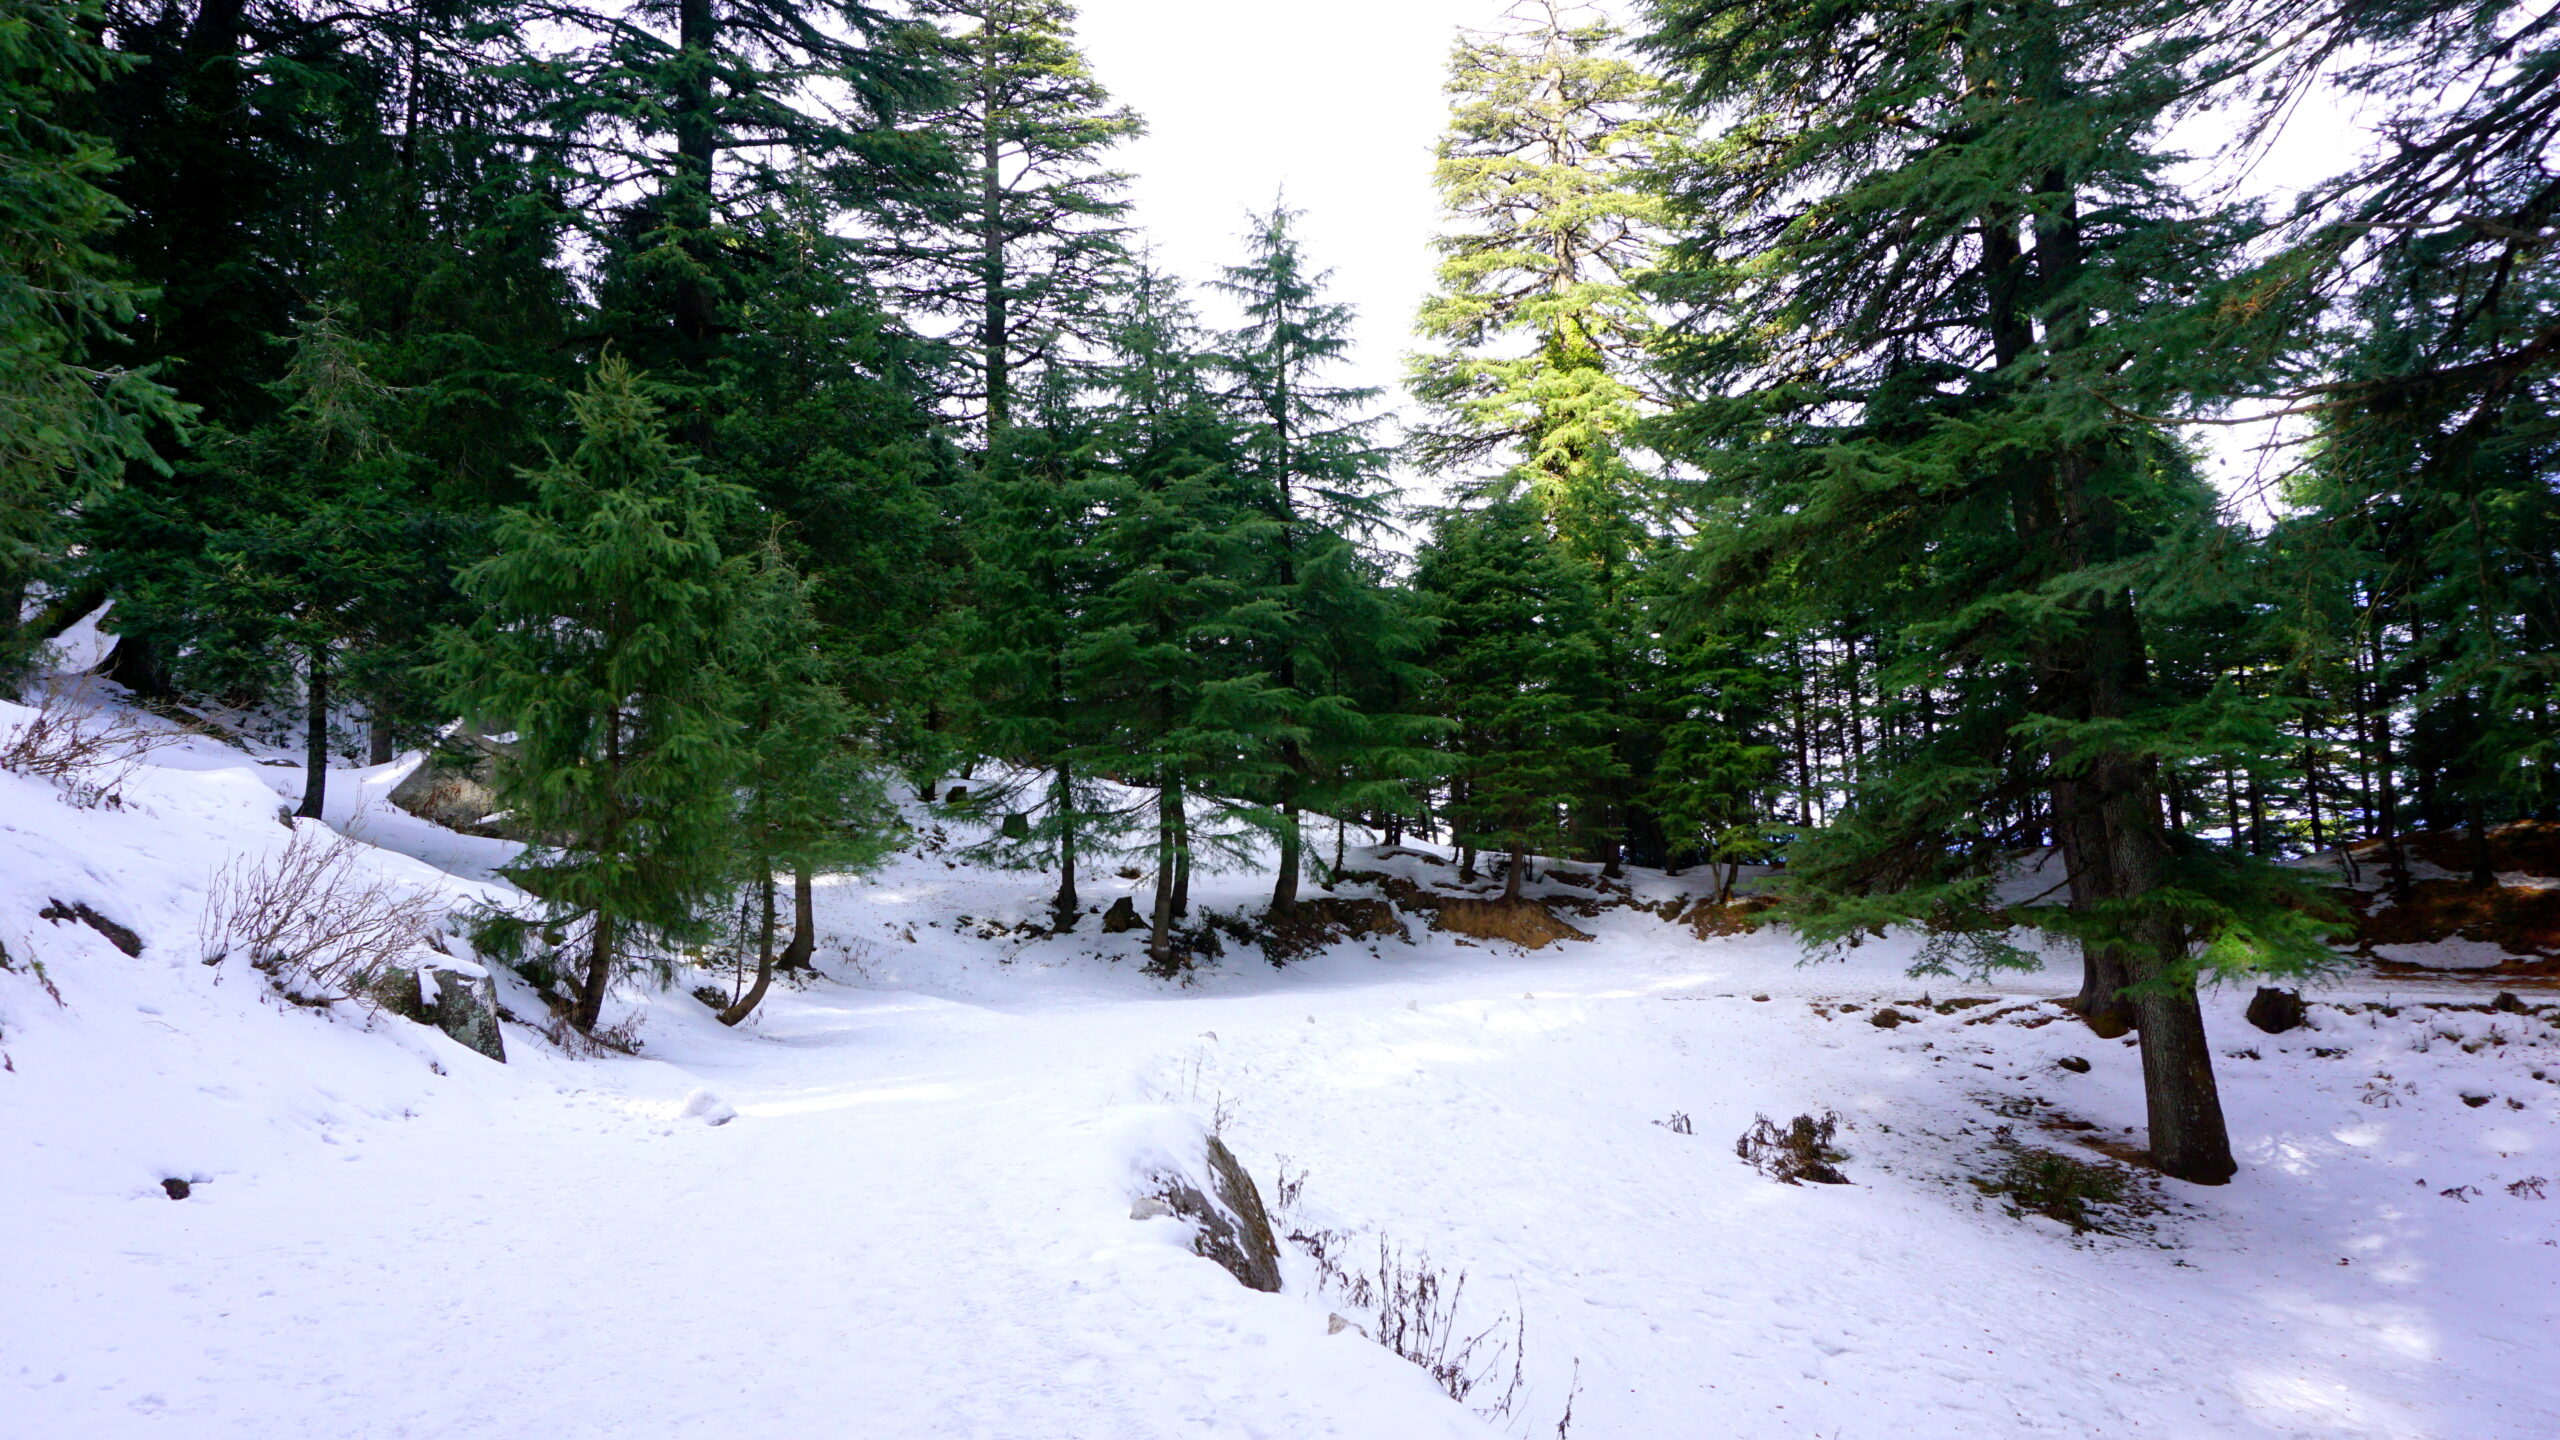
809,797
1024,252
70,423
1517,658
1921,245
608,627
1542,331
1327,625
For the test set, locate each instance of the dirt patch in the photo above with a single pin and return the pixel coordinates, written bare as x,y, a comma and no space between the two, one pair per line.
1524,923
1739,916
1322,921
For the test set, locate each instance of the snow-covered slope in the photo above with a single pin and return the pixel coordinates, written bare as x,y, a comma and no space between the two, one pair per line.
913,1218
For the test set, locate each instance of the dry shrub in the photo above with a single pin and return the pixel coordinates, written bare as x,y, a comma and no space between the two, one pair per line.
2083,1194
1800,1152
85,749
1523,922
319,924
1415,1310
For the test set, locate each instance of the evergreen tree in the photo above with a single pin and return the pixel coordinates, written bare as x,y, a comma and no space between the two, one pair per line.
1921,244
1542,331
1328,627
1026,248
70,423
1517,660
606,637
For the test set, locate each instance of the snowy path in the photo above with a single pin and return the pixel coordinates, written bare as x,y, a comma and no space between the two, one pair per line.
918,1226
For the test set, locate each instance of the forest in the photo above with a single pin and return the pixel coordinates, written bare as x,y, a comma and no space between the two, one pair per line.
743,414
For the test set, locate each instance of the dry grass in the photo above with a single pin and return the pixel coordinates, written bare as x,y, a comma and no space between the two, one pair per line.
312,919
1800,1152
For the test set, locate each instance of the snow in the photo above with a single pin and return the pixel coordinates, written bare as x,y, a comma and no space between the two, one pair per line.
898,1202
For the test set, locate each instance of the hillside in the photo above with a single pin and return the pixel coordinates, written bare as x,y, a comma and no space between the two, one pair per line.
898,1202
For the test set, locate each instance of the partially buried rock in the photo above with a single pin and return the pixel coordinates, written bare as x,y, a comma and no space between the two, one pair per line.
1121,917
1887,1018
2275,1011
178,1189
456,998
1229,1225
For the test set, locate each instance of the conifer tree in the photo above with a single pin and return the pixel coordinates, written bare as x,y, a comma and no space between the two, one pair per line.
1517,661
1541,331
70,421
608,628
1328,628
1921,243
1024,250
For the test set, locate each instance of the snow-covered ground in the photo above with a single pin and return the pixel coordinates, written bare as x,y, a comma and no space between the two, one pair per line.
917,1224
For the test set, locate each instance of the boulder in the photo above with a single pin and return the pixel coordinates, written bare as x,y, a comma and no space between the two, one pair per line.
455,786
1122,917
450,996
1228,1223
2275,1011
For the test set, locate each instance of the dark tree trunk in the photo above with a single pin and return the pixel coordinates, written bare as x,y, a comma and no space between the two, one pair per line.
802,952
746,1004
590,1006
1513,870
1065,905
1160,923
1284,886
315,740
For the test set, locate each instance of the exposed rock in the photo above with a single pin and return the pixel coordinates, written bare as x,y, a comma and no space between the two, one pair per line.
1523,922
455,786
1149,1207
120,936
1228,1224
1122,917
2074,1064
2275,1011
460,1001
178,1189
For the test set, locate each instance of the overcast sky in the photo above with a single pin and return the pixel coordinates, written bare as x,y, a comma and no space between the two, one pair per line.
1335,102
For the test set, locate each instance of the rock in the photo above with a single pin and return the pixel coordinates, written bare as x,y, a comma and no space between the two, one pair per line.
1335,1324
1149,1207
1228,1224
178,1189
2275,1011
1887,1018
2476,1101
1121,917
120,936
461,1002
2508,1003
455,786
2074,1064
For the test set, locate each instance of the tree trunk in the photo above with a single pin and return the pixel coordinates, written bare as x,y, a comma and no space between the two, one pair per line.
802,952
590,1006
315,740
378,741
1284,886
1517,867
746,1004
1065,906
1160,926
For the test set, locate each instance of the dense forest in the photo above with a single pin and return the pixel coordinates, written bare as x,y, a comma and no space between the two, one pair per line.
739,408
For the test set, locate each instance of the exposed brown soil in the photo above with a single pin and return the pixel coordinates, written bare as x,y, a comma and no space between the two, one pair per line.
1524,922
1738,916
2522,920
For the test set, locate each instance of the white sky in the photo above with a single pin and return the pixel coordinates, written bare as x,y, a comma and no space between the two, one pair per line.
1337,102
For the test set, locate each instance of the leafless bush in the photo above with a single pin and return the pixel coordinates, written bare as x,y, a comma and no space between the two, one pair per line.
314,920
1414,1308
86,750
1800,1152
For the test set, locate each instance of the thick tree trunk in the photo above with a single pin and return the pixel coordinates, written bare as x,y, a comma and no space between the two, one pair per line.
802,952
590,1006
315,740
1513,871
1284,886
377,741
746,1004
